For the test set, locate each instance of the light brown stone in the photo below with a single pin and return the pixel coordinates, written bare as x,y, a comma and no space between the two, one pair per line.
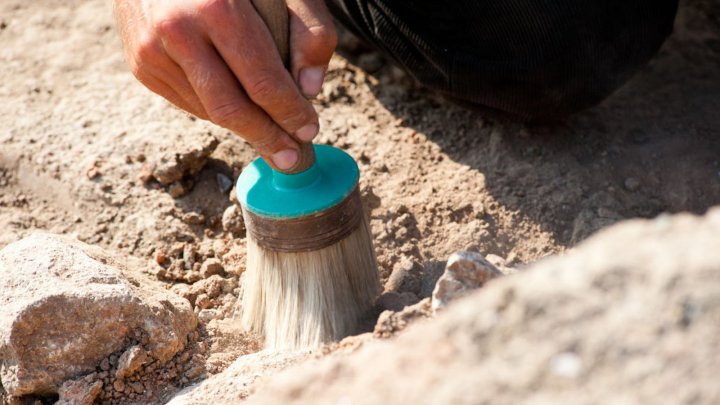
67,306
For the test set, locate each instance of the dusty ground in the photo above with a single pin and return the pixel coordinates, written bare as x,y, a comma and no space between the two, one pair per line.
78,132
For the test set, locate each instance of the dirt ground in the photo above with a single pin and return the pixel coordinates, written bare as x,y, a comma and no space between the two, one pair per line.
79,137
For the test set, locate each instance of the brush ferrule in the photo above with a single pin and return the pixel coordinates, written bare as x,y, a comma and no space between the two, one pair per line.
306,233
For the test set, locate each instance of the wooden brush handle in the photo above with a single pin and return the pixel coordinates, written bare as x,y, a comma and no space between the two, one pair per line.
275,15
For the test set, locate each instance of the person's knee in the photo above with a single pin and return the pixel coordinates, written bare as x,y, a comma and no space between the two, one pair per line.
530,59
551,93
549,75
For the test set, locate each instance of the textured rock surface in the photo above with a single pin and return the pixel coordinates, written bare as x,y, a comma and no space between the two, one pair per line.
464,272
130,361
188,160
82,391
239,380
67,305
630,316
391,322
232,220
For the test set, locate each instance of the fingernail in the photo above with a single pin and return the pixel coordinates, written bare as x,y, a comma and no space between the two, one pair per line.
285,159
311,80
307,133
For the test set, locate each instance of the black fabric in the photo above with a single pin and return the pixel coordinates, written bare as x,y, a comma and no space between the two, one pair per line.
533,59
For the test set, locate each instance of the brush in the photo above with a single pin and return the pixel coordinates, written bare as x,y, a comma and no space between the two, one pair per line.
311,270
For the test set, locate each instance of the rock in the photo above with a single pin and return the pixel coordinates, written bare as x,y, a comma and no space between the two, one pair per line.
189,253
631,315
194,372
207,315
202,301
177,190
145,175
119,385
67,306
137,387
193,218
390,323
130,362
232,220
193,276
405,277
211,267
82,391
239,380
191,158
183,290
213,285
224,183
464,272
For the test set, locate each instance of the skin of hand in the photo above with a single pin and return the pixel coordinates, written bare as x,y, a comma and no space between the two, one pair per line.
217,60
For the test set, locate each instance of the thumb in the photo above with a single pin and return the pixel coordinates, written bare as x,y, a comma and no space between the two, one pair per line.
312,43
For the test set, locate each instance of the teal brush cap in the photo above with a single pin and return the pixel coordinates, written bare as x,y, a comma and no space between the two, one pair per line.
328,182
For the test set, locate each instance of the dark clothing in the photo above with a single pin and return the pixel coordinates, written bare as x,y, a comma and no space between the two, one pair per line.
532,59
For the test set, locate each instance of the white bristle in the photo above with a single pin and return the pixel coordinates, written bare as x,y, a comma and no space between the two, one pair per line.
301,300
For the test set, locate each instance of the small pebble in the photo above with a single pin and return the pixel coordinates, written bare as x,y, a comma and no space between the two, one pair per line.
193,277
224,183
207,315
464,272
119,385
211,267
145,175
194,372
92,170
232,220
137,387
160,256
189,251
193,218
202,301
130,362
176,190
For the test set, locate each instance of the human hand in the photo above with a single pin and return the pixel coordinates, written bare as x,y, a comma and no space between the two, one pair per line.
217,60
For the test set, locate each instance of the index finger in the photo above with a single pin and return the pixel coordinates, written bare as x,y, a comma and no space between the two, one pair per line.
244,42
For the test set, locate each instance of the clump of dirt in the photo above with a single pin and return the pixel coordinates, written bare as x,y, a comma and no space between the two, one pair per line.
390,323
150,381
176,169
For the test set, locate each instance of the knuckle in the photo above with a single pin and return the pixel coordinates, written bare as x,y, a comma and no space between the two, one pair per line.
265,89
171,24
147,48
320,38
229,115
